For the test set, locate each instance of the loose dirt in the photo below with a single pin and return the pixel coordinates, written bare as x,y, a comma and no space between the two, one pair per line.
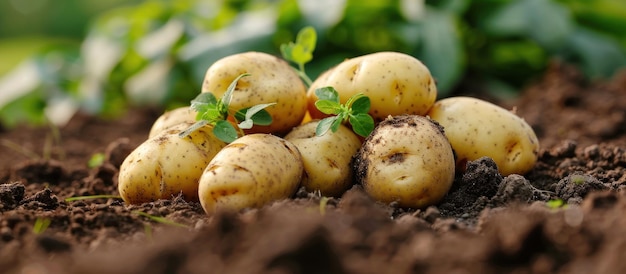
486,224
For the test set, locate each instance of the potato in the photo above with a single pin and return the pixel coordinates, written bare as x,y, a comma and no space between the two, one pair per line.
271,80
477,128
171,118
326,158
396,84
167,165
407,159
252,171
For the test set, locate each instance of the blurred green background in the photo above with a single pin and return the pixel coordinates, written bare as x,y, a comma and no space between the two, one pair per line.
61,56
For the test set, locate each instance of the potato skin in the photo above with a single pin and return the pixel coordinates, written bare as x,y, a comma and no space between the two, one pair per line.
477,128
271,80
396,84
407,159
252,171
326,158
166,165
171,118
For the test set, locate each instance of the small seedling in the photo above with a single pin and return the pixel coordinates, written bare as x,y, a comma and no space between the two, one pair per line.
96,160
41,224
301,52
578,179
323,203
556,204
160,219
354,111
215,112
91,197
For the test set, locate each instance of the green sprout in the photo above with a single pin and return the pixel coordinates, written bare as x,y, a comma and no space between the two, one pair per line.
301,52
91,197
160,219
323,203
41,224
578,179
96,160
354,111
556,204
215,112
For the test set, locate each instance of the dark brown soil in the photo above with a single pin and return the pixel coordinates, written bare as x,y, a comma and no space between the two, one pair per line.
486,224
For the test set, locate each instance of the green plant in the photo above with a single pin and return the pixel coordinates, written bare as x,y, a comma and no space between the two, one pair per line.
96,160
556,204
354,111
41,225
158,219
301,52
215,112
91,197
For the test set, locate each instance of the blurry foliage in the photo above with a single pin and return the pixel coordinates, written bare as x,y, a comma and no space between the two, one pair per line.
156,53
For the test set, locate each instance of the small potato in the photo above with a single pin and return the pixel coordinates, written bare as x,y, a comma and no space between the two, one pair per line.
166,165
252,171
477,128
326,158
407,159
396,84
171,118
271,80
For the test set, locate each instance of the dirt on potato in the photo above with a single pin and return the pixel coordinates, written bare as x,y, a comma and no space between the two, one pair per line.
486,224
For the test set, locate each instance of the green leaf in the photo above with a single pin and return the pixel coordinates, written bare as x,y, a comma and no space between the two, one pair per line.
335,125
300,52
228,95
307,38
328,107
202,101
361,105
224,131
362,124
327,93
255,115
324,125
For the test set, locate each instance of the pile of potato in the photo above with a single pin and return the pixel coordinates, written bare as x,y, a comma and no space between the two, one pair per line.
410,158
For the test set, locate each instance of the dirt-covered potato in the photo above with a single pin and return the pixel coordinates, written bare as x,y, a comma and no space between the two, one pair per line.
326,158
171,118
396,84
477,128
271,80
250,172
167,165
407,159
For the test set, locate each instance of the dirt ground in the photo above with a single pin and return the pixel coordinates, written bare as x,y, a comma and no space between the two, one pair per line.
486,224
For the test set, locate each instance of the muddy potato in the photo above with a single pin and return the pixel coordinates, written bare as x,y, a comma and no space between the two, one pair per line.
271,80
396,84
477,128
407,159
167,165
326,158
171,118
252,171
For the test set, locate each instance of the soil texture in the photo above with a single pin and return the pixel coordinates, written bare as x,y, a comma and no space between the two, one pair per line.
566,216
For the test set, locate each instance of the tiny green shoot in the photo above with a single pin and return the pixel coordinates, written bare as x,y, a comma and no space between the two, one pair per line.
215,112
556,204
354,111
301,52
41,224
96,160
160,219
578,179
91,197
323,203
